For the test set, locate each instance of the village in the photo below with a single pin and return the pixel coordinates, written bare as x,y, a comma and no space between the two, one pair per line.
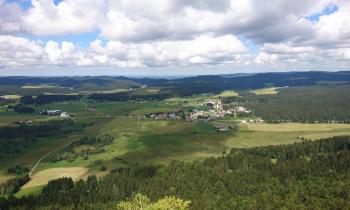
55,112
206,112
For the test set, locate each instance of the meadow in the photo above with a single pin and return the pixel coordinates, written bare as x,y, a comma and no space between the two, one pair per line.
265,91
145,141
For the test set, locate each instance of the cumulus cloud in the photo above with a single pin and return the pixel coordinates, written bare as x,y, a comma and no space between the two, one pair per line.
204,50
16,51
164,33
68,17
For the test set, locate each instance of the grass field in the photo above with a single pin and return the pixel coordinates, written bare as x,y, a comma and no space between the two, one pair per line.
290,127
38,86
11,97
149,141
44,176
265,91
228,93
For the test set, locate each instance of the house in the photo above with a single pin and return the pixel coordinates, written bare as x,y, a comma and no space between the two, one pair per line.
26,122
242,109
222,128
64,114
54,112
211,104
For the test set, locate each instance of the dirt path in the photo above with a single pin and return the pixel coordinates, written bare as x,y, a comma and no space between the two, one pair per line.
47,154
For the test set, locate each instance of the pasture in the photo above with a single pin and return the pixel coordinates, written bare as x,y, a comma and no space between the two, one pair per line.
148,141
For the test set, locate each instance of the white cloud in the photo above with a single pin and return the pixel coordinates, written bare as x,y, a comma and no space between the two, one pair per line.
201,50
10,14
68,17
56,54
172,33
16,51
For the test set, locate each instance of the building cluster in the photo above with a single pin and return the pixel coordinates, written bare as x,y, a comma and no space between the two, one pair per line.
55,112
164,116
214,110
23,122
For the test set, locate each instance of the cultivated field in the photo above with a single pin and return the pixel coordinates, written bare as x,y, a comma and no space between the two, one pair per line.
45,176
292,127
265,91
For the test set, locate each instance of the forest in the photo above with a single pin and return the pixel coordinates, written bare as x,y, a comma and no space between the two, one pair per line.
305,175
14,138
305,104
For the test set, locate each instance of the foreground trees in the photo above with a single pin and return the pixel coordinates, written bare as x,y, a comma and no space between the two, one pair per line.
142,202
305,175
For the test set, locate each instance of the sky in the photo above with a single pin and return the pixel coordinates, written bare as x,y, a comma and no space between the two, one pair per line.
172,37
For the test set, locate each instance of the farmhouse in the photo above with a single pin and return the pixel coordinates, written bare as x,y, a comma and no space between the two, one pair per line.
212,104
64,114
54,112
242,109
26,122
222,128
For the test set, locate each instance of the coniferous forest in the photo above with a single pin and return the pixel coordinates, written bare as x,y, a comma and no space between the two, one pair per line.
305,175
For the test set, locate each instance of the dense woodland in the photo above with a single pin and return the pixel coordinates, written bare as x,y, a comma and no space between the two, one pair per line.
14,138
305,175
303,104
45,99
310,104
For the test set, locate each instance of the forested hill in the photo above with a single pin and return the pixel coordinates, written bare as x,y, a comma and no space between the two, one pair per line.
218,83
190,85
305,175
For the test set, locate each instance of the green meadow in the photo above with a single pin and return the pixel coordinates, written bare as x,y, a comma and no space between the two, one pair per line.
144,141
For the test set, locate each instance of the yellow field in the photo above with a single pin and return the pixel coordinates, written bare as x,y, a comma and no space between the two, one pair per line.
291,127
265,91
228,93
38,86
11,97
325,135
153,90
4,178
119,90
44,176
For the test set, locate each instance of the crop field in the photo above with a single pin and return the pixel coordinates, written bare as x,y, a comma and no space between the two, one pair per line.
228,93
39,86
293,127
45,176
11,97
265,91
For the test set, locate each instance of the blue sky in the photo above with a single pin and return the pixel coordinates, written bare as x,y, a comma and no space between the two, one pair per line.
172,36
